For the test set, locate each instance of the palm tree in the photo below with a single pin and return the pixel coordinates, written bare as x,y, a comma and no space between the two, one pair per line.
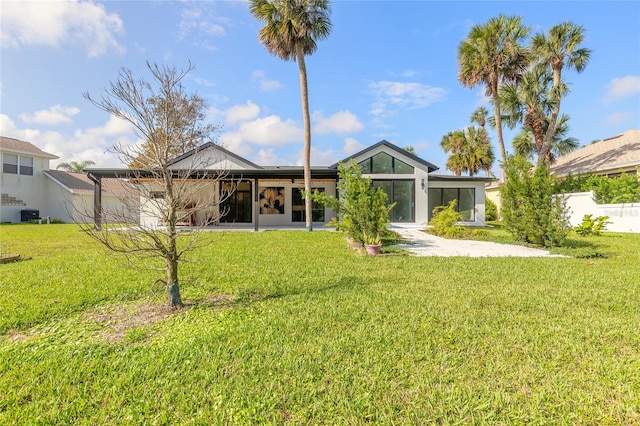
479,116
524,143
290,32
559,48
470,151
491,55
75,166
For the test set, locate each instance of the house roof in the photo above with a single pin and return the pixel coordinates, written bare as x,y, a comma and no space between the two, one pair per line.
430,167
18,146
80,182
614,153
433,177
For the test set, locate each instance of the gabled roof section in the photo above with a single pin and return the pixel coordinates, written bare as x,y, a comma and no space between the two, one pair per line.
80,182
217,147
431,167
613,153
19,147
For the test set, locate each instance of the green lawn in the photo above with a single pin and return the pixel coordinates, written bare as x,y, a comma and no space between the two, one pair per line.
295,328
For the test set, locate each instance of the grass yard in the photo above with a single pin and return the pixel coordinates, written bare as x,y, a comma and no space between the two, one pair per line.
295,328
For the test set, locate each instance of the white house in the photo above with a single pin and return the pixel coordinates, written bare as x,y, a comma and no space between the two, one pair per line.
30,190
271,196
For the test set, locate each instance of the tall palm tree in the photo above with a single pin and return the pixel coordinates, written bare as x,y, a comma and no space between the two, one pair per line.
479,116
559,48
493,54
75,166
470,151
524,143
290,32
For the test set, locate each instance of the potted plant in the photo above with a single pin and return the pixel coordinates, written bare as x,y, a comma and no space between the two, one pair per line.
372,243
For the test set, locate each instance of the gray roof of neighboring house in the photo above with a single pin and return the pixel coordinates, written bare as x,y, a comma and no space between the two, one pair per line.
614,153
80,182
16,145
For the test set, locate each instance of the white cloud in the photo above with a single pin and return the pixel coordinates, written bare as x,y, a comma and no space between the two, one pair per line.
84,144
622,87
200,18
341,122
54,115
351,146
266,157
55,23
393,95
266,85
244,112
618,118
271,131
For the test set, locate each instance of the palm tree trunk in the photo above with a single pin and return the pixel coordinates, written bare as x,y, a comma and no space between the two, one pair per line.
496,111
551,130
304,91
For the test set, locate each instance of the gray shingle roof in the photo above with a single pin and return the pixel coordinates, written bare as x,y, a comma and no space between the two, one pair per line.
80,182
614,153
11,144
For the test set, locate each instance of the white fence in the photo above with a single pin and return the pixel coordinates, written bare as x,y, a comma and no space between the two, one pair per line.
623,217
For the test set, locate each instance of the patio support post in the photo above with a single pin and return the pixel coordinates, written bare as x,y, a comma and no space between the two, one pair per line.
256,208
97,202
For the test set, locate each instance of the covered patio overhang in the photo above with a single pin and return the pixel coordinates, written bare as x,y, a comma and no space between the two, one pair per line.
275,172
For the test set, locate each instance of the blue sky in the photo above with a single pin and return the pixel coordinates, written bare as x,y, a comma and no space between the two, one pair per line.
387,71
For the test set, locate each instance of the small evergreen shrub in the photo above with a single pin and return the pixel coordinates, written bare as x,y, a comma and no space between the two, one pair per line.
531,211
622,189
444,223
490,210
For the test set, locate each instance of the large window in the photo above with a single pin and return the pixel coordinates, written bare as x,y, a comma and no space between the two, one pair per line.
237,204
14,164
402,193
383,163
298,213
466,198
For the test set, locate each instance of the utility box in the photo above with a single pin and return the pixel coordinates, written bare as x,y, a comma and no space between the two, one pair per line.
29,214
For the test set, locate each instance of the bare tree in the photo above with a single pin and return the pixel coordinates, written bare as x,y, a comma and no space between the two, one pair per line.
166,201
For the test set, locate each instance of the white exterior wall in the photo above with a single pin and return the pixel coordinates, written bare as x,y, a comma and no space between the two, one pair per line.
623,217
33,190
479,197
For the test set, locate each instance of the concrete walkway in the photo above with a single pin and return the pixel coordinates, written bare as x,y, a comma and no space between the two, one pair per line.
423,244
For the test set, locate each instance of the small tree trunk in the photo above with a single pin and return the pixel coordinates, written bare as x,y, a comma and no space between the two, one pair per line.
173,287
496,112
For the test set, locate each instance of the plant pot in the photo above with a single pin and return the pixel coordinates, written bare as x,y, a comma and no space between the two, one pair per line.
373,250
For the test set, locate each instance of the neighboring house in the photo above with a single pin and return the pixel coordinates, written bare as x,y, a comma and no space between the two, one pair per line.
30,190
608,157
23,185
272,196
73,195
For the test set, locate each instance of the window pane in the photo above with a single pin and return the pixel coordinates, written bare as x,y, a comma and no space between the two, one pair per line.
449,194
467,204
435,199
10,163
403,168
382,163
26,165
403,197
298,213
365,166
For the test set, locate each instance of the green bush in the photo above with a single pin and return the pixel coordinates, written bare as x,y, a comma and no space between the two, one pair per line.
444,223
361,209
531,211
622,189
591,226
490,210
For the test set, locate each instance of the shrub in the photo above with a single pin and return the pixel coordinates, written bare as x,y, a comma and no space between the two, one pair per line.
591,226
490,210
361,208
622,189
531,211
444,223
